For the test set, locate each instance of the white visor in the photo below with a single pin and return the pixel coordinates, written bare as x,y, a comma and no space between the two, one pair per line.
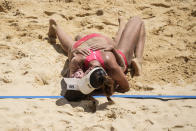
82,84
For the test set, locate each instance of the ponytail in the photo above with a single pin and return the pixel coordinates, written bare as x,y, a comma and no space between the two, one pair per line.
108,86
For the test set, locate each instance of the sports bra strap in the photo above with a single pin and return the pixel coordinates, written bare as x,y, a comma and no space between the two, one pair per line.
87,37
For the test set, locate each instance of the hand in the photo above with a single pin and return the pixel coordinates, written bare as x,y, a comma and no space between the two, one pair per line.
83,51
101,47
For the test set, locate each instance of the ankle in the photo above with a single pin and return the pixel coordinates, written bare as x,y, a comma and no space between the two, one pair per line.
139,59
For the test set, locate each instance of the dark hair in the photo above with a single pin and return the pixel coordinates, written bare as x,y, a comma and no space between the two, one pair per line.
108,86
99,79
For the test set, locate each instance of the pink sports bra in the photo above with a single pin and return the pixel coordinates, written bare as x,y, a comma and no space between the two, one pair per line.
95,55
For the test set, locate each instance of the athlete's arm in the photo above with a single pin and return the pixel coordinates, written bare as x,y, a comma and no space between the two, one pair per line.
107,48
119,59
115,72
75,65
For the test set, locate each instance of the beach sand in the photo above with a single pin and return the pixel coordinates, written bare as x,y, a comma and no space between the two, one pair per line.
30,65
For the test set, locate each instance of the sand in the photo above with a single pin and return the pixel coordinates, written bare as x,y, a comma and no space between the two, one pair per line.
29,65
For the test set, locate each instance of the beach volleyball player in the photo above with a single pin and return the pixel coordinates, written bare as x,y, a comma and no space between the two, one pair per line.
96,50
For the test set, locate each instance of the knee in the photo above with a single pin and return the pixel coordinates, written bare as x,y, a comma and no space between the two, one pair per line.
136,20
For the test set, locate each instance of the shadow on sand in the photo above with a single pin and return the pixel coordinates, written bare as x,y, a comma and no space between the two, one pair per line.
86,104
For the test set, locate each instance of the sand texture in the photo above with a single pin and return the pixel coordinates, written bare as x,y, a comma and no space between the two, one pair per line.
30,65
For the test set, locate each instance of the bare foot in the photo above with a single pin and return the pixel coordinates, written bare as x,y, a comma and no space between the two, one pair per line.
52,29
137,67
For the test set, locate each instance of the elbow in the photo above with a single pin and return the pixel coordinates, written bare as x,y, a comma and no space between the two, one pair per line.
122,90
125,88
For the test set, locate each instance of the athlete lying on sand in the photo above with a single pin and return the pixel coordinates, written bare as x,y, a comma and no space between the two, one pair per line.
96,50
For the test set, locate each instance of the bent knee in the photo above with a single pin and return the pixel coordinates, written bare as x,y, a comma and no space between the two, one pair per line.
137,20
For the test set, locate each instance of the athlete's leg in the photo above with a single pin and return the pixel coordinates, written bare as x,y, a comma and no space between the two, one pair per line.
132,43
137,61
140,45
65,40
122,24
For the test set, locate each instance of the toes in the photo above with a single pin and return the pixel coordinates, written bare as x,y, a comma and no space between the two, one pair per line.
52,22
121,20
51,32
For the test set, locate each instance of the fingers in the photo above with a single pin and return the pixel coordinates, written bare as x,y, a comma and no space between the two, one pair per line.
85,52
96,47
73,50
93,47
102,47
